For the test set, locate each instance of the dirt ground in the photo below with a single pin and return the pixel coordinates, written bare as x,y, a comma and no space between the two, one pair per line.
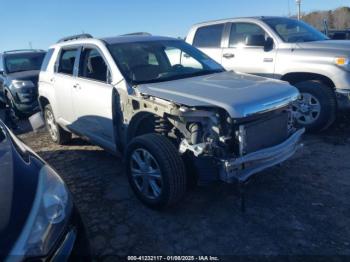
301,208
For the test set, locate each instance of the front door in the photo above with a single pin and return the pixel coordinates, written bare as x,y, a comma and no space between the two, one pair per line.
241,57
92,99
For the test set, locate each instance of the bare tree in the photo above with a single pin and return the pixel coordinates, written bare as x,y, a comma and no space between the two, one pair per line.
337,19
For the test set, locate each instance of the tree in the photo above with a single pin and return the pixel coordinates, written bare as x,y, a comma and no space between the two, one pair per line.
337,19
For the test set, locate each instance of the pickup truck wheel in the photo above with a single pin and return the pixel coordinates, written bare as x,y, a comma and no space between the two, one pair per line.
57,133
316,108
155,171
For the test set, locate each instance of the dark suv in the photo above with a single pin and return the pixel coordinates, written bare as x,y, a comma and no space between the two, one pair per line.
19,72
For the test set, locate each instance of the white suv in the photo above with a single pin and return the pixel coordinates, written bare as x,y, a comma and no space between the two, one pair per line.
136,95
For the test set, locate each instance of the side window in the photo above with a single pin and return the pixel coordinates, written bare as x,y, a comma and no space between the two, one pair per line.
47,59
152,59
208,36
92,65
66,61
240,31
177,57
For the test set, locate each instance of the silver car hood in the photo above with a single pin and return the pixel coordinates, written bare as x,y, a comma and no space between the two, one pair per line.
340,45
240,95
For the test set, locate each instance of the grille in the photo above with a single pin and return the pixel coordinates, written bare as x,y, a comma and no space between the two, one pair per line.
264,133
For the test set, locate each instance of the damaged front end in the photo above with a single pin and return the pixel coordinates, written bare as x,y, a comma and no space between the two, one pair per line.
235,149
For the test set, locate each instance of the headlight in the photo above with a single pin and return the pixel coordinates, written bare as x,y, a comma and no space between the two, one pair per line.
21,83
343,62
51,209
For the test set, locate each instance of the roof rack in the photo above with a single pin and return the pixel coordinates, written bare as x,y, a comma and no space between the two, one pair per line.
23,50
138,33
74,37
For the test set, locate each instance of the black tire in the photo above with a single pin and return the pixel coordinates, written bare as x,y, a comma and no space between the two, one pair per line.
14,112
62,136
327,102
171,165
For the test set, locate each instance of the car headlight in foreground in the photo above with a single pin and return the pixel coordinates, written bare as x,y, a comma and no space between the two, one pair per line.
45,224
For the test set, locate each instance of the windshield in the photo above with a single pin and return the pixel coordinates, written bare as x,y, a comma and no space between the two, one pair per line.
23,62
294,31
158,61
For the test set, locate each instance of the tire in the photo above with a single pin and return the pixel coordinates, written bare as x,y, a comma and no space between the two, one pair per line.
57,133
15,114
166,166
316,109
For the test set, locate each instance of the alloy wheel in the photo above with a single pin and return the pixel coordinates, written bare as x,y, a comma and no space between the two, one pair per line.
51,125
307,109
146,173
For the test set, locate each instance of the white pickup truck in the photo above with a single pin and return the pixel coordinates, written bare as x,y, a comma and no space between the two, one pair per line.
285,49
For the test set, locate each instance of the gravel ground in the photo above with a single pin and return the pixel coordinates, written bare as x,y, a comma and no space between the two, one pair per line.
300,208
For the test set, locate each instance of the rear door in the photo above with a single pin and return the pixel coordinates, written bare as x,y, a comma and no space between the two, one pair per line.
209,40
63,83
92,98
248,59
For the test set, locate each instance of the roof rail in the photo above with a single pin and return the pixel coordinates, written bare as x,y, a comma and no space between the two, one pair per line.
138,33
74,37
23,50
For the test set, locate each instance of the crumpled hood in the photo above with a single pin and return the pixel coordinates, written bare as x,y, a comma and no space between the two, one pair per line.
240,95
339,45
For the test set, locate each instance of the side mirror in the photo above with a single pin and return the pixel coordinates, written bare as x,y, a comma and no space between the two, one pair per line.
255,40
268,44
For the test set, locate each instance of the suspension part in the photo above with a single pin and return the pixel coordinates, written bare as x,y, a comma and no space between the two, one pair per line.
162,126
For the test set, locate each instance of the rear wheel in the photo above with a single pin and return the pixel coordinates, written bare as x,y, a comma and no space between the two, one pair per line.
57,133
316,108
155,170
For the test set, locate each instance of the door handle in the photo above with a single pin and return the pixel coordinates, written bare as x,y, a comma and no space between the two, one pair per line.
76,86
52,80
268,60
228,55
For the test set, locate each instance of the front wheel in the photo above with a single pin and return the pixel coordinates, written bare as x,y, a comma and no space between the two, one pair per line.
316,108
57,133
15,114
155,171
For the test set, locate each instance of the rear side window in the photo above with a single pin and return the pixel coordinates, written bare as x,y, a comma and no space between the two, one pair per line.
208,36
66,61
92,65
47,59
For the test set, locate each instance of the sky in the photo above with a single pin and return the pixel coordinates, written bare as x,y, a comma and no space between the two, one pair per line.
40,23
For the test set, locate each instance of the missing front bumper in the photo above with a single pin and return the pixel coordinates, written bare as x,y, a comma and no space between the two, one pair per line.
243,168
